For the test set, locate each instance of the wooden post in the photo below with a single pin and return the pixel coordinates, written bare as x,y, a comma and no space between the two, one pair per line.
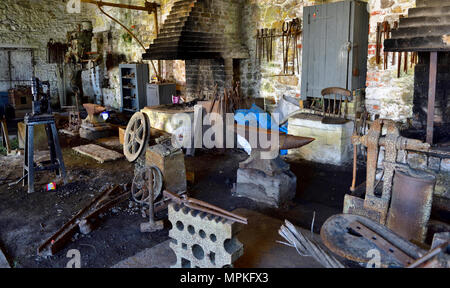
431,97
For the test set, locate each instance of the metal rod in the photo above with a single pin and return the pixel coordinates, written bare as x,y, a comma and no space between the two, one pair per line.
151,209
431,97
126,6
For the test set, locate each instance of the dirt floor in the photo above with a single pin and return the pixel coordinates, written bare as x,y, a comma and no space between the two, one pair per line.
27,220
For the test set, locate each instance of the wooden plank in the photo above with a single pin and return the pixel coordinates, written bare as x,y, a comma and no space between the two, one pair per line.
110,142
431,97
98,153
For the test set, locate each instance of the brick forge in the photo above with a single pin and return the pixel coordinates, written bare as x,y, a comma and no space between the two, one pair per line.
201,240
206,34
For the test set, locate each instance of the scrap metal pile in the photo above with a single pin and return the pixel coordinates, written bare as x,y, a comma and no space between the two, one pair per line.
395,211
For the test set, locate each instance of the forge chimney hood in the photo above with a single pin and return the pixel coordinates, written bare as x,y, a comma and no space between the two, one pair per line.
200,29
426,29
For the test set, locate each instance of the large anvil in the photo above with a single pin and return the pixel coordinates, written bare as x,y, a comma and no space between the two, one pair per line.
257,160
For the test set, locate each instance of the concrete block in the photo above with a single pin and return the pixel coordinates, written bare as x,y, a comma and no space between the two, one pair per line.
332,144
272,190
201,240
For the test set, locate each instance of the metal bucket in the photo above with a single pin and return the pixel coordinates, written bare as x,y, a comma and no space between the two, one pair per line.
410,209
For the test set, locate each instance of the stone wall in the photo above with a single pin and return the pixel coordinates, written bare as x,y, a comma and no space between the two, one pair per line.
387,95
125,47
31,24
261,81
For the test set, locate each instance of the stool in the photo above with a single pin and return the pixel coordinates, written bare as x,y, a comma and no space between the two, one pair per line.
56,162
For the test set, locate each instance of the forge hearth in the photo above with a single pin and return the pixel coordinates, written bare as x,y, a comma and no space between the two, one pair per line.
206,34
426,30
421,86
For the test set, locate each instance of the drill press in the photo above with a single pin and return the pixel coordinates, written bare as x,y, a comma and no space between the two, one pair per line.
41,115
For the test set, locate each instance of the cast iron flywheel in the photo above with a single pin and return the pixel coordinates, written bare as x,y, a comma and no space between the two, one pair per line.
135,136
141,184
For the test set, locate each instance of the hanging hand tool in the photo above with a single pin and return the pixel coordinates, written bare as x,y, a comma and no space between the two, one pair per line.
378,44
257,45
263,44
298,31
286,32
284,48
405,65
386,32
271,44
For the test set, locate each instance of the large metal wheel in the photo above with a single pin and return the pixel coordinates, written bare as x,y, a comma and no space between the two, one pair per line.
140,185
135,136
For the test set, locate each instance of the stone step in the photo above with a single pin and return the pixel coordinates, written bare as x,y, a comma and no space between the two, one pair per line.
186,44
426,43
175,20
432,3
183,39
182,44
424,21
178,14
421,31
181,55
183,3
184,33
429,11
172,30
173,25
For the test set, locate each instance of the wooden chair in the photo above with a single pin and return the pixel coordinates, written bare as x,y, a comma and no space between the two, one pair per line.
335,109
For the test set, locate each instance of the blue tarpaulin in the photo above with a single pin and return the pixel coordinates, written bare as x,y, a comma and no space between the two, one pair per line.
253,115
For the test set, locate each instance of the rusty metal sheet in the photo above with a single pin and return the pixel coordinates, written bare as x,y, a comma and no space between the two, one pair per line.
410,210
338,236
382,243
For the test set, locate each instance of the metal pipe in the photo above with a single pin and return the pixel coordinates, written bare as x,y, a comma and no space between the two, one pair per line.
126,6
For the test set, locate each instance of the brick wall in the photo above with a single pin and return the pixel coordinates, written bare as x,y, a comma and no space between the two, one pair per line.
202,75
387,95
